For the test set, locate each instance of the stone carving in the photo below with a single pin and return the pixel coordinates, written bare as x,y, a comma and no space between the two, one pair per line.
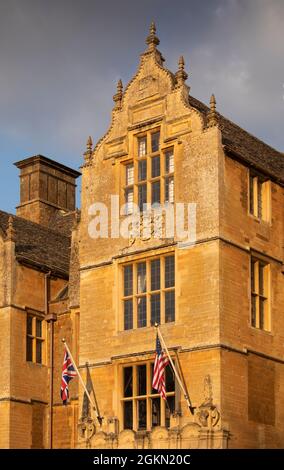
87,424
100,441
10,232
207,414
126,439
152,40
117,98
112,425
159,438
212,115
181,75
89,151
86,429
147,86
148,226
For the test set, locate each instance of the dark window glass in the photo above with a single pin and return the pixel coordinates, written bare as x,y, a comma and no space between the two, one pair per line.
29,351
141,370
155,167
169,271
170,409
142,146
141,277
251,202
155,309
167,190
259,199
261,312
128,415
128,314
153,391
29,325
128,381
253,310
39,352
170,306
128,280
142,196
142,170
156,412
155,141
38,328
252,276
141,312
261,279
156,198
155,274
142,414
170,379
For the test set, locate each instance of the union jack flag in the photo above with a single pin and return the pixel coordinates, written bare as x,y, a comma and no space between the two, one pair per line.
161,361
68,372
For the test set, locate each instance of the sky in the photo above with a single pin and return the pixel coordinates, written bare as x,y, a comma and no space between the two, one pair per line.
60,61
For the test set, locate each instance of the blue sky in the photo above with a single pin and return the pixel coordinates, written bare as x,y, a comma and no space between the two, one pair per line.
60,61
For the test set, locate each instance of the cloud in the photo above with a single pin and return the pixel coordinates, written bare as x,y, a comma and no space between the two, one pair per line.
240,59
60,62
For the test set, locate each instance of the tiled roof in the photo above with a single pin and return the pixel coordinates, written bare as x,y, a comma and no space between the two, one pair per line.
38,245
247,147
63,222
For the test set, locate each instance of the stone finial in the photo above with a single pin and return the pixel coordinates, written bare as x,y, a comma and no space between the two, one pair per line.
89,143
213,103
152,40
10,232
89,149
181,74
117,98
76,220
212,115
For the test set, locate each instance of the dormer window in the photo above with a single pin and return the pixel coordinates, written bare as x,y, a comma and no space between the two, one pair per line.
129,187
259,196
149,178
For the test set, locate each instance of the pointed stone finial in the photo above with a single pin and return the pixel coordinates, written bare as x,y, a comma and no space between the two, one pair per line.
119,86
10,232
181,74
213,103
89,143
76,220
152,40
117,98
212,116
89,150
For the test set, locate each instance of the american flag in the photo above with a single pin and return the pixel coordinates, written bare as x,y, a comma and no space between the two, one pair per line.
68,372
161,361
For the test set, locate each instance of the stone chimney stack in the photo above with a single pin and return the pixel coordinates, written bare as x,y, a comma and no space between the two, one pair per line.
45,188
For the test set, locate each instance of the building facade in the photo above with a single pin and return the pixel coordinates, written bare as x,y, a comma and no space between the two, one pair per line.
217,294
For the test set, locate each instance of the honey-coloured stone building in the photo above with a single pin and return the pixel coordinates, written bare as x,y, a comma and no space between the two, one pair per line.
219,298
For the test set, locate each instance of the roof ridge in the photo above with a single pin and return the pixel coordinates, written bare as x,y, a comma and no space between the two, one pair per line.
250,134
238,126
47,229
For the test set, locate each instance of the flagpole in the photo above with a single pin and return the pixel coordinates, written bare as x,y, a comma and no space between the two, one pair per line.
191,408
81,380
100,419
